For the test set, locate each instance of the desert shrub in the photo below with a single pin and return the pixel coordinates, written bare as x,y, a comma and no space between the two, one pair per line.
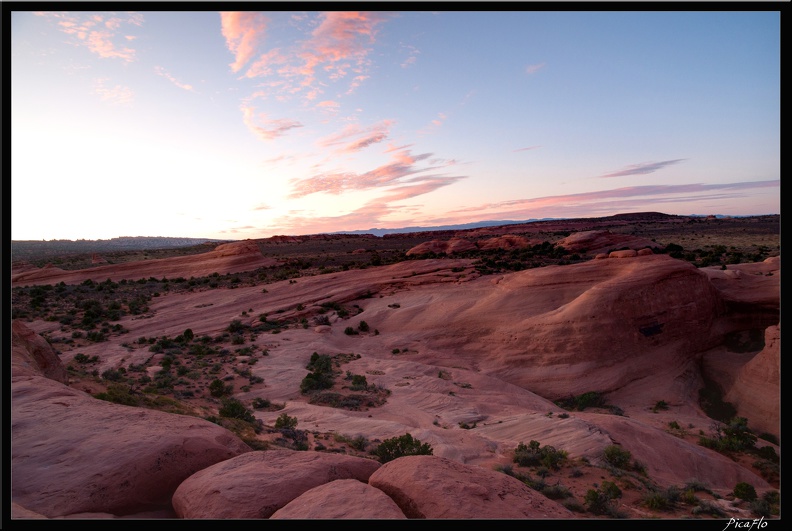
396,447
320,363
217,388
261,403
534,455
611,490
350,331
583,401
744,491
315,381
556,492
284,421
674,425
597,502
119,394
359,382
707,507
233,408
769,437
661,405
573,505
696,486
616,456
769,453
113,375
760,507
321,320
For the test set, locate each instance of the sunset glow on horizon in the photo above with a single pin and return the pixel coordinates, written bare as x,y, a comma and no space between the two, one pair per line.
234,125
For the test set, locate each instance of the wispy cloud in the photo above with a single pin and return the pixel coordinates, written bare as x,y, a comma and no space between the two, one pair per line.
589,204
116,94
263,127
642,169
403,164
412,56
162,72
532,69
336,49
354,138
242,31
529,148
97,31
434,124
374,213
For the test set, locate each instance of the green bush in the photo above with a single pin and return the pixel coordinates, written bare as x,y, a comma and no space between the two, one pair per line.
363,326
396,447
744,491
616,456
285,421
534,455
233,408
217,388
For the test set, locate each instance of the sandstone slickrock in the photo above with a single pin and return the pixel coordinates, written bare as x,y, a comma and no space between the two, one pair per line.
670,460
427,486
72,453
256,484
486,351
34,355
341,499
756,391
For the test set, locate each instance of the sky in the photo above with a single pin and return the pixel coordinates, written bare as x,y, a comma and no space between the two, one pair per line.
235,125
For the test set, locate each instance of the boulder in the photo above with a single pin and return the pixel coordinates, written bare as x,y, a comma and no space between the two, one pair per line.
256,484
341,499
427,486
72,453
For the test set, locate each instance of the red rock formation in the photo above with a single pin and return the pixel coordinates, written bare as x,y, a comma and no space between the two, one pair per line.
757,389
593,242
32,354
256,484
341,499
507,242
427,486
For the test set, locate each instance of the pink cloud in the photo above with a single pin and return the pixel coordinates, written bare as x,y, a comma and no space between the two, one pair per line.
162,72
97,32
532,69
402,165
355,138
642,169
264,128
434,124
263,66
242,32
117,94
529,148
337,48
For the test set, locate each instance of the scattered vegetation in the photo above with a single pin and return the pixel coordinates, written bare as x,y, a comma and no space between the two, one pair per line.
396,447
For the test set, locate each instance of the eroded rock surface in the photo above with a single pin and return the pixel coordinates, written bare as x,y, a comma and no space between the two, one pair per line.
436,487
256,484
